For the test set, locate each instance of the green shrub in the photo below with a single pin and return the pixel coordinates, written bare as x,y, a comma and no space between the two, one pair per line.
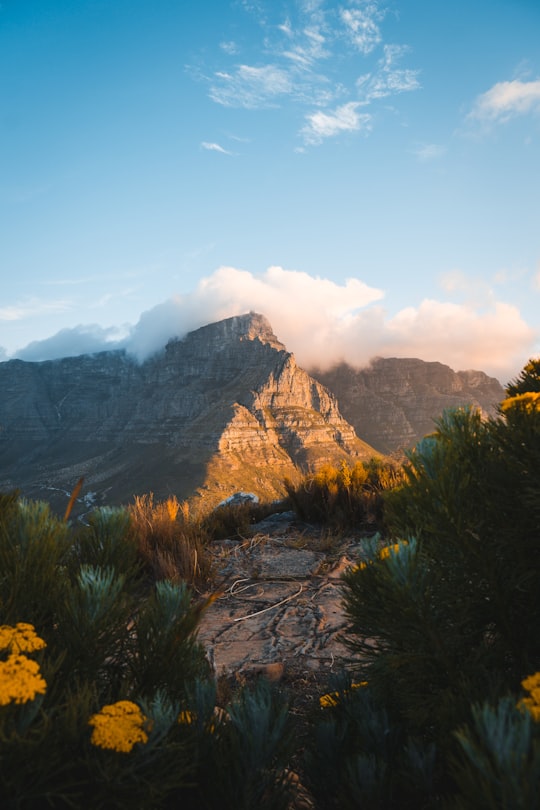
105,695
33,550
76,636
360,758
446,615
243,753
498,764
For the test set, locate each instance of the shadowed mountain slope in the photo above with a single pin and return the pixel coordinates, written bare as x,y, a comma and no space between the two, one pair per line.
394,402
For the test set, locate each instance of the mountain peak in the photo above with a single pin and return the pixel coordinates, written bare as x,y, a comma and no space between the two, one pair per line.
250,326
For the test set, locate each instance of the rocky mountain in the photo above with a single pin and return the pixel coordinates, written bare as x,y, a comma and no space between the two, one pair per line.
394,402
223,409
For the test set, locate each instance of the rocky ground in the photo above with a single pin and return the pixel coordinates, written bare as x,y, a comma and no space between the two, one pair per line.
280,613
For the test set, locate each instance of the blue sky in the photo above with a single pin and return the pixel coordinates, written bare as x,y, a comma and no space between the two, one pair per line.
364,173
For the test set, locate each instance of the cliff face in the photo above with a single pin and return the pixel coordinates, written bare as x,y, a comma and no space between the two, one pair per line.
225,408
394,402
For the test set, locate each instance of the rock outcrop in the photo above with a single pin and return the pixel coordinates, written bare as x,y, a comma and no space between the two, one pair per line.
395,401
279,609
224,408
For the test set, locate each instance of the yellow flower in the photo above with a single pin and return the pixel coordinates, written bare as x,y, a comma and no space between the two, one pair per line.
20,680
20,639
532,685
186,717
532,703
384,554
119,726
333,698
328,700
529,402
532,707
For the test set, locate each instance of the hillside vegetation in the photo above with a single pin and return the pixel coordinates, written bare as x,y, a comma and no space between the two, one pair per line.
107,700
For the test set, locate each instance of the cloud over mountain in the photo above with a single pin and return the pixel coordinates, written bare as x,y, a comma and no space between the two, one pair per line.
322,323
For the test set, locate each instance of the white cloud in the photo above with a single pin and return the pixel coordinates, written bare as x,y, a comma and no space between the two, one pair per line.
387,79
215,147
505,100
494,339
346,118
74,341
250,87
323,322
362,26
305,58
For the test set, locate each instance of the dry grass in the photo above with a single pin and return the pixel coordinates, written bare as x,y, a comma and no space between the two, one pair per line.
171,543
347,497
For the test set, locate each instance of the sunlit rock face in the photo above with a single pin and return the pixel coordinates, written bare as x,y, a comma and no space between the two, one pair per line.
395,401
224,408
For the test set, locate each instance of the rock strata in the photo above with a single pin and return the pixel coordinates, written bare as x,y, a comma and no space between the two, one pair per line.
394,402
224,408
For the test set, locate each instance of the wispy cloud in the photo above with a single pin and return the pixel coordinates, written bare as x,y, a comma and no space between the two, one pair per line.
215,147
505,100
321,125
308,56
388,79
362,26
250,87
33,307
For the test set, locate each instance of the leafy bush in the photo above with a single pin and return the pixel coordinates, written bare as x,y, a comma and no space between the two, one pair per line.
105,696
446,616
359,758
243,752
345,497
498,764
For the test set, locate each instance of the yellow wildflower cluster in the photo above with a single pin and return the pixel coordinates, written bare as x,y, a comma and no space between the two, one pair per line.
384,554
529,402
20,639
532,703
20,680
118,726
333,698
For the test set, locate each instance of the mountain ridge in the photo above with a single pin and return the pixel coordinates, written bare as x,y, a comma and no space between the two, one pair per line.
224,408
394,402
221,408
